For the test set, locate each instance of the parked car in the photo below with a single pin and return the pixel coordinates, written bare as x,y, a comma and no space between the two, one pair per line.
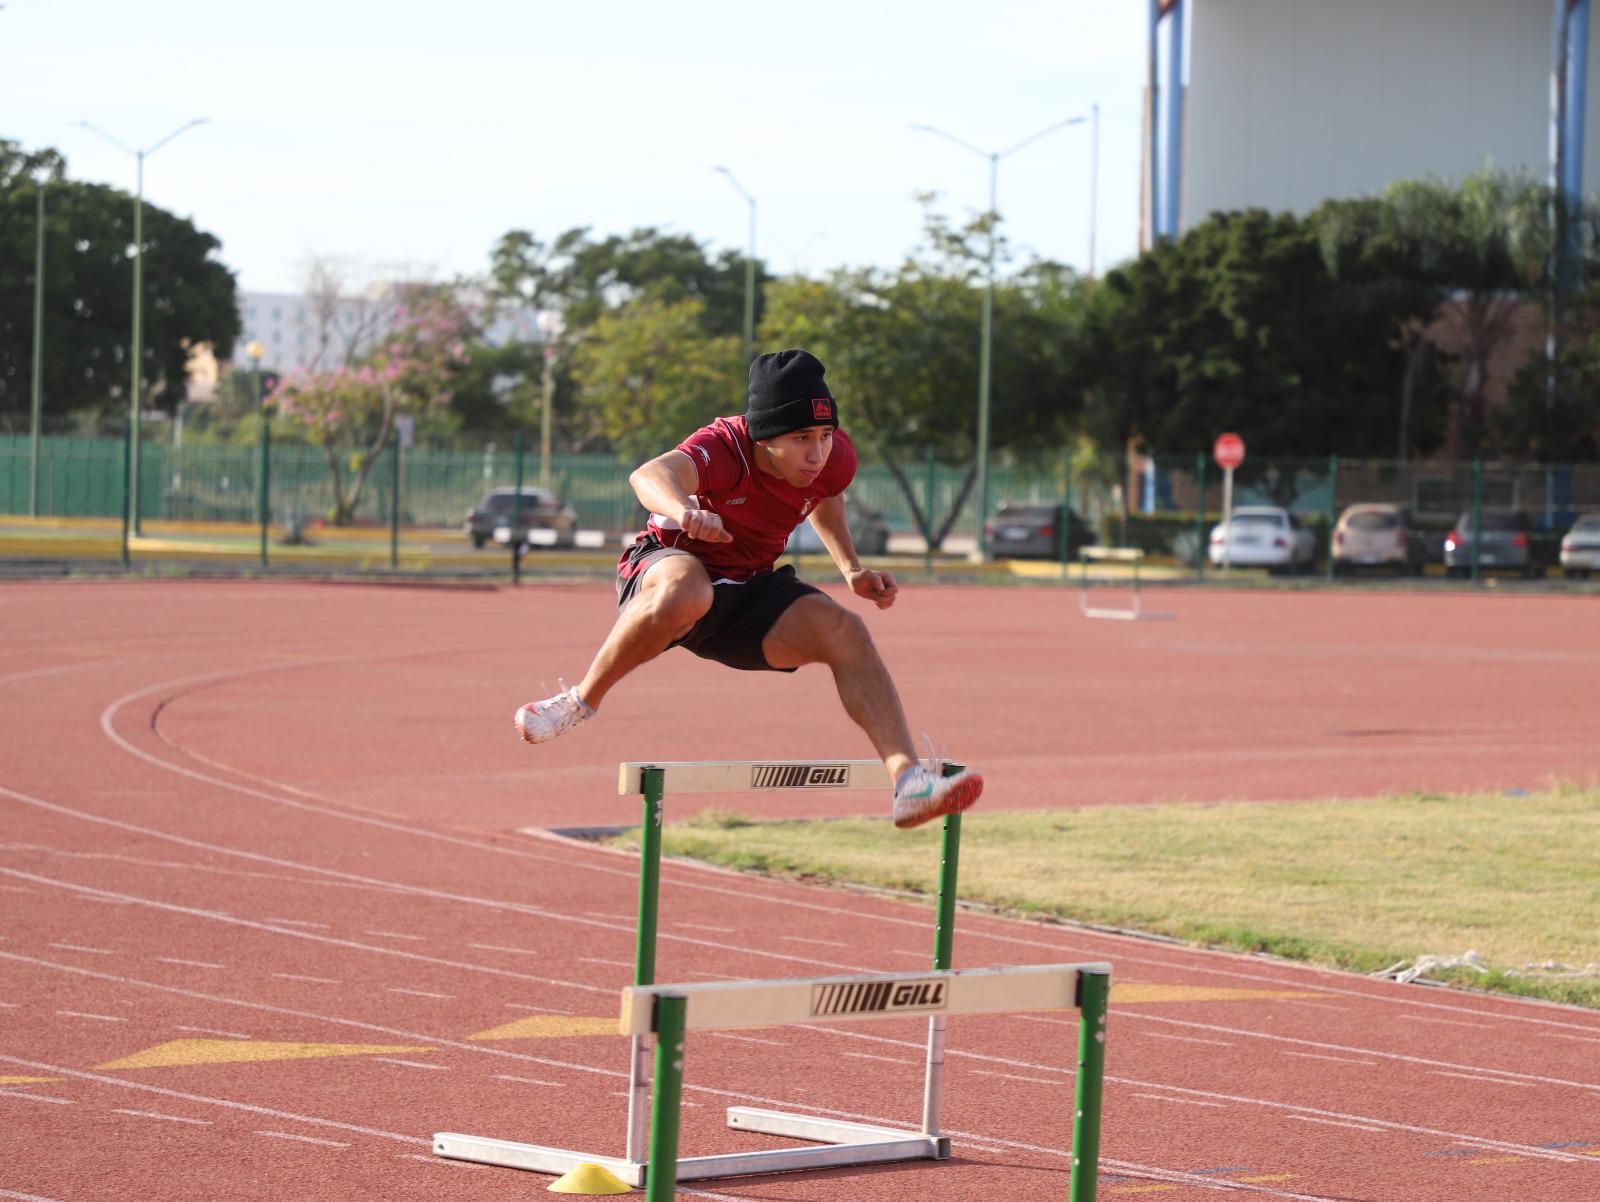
1033,531
1503,544
1372,535
1580,548
868,531
491,518
1263,536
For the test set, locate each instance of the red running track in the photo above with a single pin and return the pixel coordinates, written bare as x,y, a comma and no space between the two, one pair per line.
267,922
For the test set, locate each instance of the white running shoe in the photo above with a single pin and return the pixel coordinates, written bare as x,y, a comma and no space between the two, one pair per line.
541,721
921,795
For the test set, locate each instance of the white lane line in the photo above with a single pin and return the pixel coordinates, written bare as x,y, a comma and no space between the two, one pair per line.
611,917
294,976
35,1097
437,1068
777,1043
885,1059
1334,1059
396,935
984,1072
535,1009
681,873
1291,1001
303,1139
611,963
16,1197
700,926
527,1080
1307,1118
1265,1103
506,1053
1186,1039
1156,1097
495,947
1482,1080
443,997
817,942
1397,1057
913,955
167,1118
300,922
10,1005
191,963
1578,1038
249,1108
103,1018
212,1031
1443,1022
95,951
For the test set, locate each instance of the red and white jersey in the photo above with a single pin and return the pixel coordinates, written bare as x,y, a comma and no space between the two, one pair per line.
759,510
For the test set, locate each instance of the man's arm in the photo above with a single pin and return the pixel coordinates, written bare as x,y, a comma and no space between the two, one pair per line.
666,485
833,528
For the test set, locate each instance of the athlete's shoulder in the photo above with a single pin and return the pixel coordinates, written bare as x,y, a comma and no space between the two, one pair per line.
721,452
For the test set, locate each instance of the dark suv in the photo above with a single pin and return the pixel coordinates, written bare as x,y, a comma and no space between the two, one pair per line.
1033,531
1504,543
492,518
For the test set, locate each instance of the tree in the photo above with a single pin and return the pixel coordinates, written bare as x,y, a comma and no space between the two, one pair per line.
1238,325
188,294
409,372
902,352
650,375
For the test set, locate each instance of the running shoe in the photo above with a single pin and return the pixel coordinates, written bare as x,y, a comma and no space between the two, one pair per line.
921,795
541,721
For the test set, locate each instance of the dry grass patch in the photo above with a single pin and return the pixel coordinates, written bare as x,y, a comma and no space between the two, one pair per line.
1352,884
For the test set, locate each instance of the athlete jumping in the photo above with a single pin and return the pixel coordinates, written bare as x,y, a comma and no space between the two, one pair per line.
722,507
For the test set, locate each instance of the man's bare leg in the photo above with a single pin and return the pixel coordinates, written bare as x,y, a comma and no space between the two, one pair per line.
817,630
674,595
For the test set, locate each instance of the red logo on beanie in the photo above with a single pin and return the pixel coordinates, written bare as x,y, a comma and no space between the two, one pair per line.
822,408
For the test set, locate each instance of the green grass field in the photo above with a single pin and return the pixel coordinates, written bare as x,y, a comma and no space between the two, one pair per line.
1357,885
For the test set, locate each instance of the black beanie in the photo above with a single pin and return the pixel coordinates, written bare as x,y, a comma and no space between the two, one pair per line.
788,393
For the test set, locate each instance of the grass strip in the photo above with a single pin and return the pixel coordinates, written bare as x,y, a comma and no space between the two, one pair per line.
1357,885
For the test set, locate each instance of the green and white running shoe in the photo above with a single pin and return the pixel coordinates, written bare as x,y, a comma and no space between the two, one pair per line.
921,795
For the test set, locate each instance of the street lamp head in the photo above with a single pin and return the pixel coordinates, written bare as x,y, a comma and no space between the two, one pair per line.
255,350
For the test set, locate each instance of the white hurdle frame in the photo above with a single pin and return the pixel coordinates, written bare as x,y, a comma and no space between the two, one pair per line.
1131,555
849,1143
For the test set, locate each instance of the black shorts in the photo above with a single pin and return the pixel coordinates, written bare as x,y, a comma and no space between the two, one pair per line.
732,630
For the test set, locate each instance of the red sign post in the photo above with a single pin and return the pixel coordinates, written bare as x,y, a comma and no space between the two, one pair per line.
1228,451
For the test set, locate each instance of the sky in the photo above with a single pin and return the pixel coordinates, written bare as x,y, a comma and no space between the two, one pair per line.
406,138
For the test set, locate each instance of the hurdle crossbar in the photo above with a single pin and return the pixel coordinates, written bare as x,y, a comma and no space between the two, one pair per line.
670,1011
1131,555
860,1143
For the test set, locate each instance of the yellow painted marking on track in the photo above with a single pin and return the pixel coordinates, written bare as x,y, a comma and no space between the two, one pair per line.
1268,1177
550,1026
1124,994
239,1051
1496,1159
25,1080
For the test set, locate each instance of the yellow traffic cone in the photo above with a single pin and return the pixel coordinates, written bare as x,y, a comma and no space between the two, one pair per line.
590,1179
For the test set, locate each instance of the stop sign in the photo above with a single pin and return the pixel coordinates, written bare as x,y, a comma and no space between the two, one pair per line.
1228,451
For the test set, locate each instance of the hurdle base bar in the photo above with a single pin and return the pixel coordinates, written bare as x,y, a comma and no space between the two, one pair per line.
839,1145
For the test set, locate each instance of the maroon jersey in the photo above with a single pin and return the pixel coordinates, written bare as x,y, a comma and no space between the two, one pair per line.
759,510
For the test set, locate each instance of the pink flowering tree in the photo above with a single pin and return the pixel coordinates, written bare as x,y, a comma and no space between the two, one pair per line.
350,411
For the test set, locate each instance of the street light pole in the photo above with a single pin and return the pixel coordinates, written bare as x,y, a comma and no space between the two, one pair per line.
749,271
550,325
136,400
986,336
38,355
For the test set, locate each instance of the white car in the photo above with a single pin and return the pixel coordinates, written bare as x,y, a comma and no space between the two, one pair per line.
1580,549
1263,536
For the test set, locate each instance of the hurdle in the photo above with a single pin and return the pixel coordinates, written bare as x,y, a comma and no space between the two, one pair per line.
1119,554
843,1143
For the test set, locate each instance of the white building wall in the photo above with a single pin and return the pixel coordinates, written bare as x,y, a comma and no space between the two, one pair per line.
1293,102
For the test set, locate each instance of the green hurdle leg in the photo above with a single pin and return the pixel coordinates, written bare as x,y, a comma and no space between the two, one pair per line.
1094,992
661,1174
644,948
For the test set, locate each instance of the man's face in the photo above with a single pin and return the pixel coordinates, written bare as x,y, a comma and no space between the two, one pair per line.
798,457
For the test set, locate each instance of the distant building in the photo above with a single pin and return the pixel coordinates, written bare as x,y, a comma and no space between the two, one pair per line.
1292,102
